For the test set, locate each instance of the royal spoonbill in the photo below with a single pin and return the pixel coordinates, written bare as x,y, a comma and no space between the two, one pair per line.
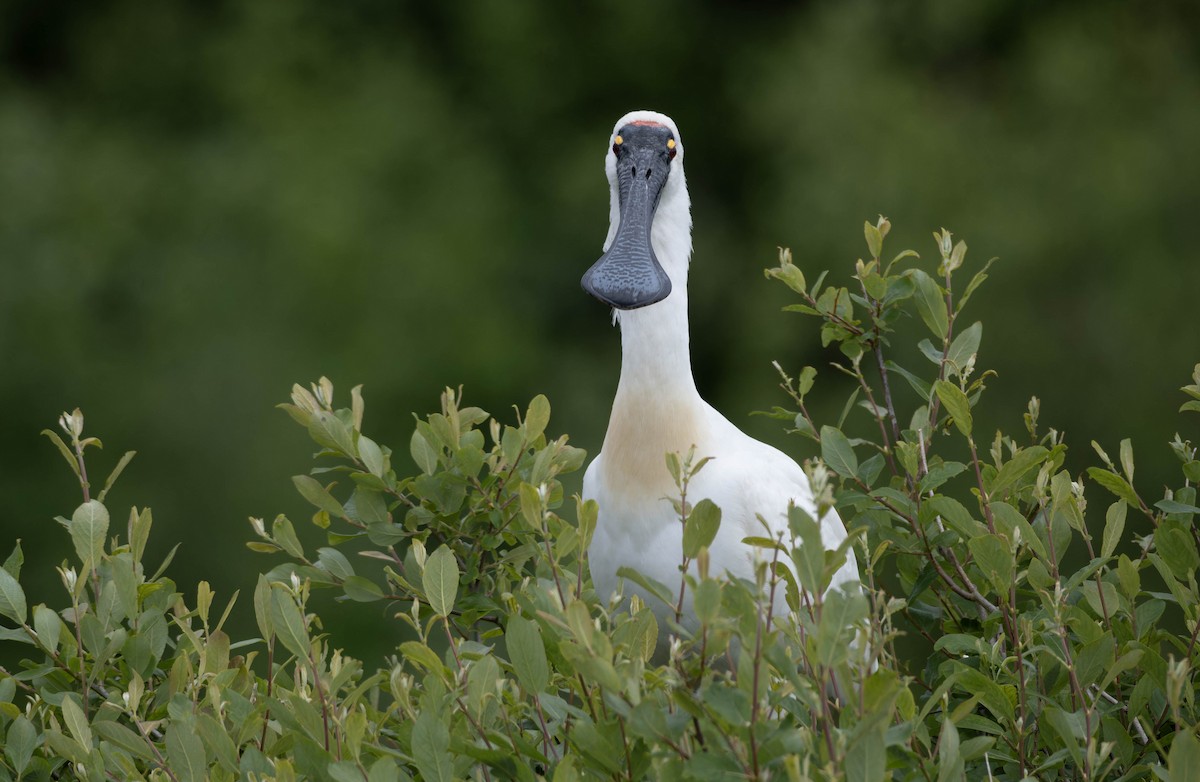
657,410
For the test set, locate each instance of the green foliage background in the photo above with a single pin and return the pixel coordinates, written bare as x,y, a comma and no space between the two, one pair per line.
200,203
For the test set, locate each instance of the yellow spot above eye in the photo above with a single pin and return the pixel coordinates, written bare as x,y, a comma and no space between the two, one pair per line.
670,143
618,140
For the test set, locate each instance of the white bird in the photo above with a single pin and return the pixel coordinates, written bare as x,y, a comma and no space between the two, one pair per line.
657,409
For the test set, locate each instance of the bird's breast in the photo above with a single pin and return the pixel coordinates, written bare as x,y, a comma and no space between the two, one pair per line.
640,435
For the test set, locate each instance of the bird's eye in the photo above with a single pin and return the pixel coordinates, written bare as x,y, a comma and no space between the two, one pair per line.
671,148
617,142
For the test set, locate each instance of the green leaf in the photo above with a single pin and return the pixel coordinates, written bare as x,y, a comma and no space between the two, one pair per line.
874,239
956,404
701,527
1177,550
48,626
1011,524
430,748
140,524
76,722
866,758
371,455
15,560
837,452
804,382
481,683
1092,659
1022,462
1171,506
288,623
334,562
537,417
116,473
63,449
1114,526
931,303
950,761
841,612
955,516
994,559
424,454
20,743
361,590
1127,459
527,653
89,527
652,587
990,694
185,753
312,490
262,607
809,554
1183,761
965,345
370,506
12,598
285,535
421,655
1115,484
707,600
384,770
440,581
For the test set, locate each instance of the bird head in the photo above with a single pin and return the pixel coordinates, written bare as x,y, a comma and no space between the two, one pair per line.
650,217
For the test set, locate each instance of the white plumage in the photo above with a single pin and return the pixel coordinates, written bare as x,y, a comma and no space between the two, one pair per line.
657,410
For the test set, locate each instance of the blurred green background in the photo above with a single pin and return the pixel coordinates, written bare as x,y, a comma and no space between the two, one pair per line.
202,203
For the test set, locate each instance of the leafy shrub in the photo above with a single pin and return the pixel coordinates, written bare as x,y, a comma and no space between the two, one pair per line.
514,669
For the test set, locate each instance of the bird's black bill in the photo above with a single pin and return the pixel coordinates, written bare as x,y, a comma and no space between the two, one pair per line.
629,276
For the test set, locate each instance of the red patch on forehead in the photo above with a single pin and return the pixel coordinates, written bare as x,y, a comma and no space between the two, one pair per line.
649,123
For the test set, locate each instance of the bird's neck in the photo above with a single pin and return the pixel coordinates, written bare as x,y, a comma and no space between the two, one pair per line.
657,409
655,353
